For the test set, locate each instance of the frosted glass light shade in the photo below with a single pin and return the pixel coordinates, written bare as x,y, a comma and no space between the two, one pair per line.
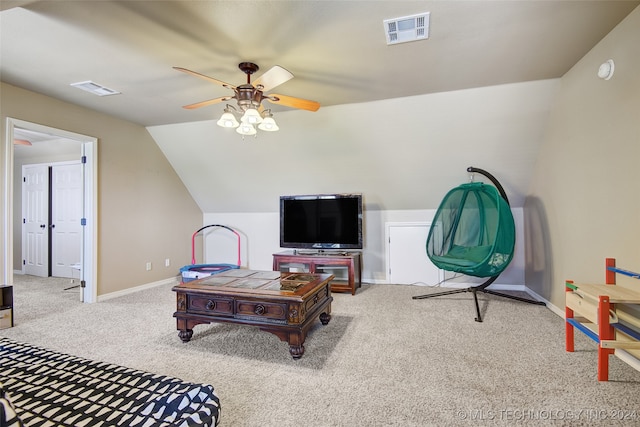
251,116
228,120
268,124
246,129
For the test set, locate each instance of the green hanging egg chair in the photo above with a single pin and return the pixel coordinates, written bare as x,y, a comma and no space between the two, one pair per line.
473,233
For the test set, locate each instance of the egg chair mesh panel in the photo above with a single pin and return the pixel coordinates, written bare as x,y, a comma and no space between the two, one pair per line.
473,231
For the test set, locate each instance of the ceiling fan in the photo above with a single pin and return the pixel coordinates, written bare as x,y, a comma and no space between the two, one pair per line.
249,98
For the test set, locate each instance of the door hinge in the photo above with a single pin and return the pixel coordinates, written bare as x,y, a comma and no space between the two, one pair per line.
24,262
83,159
83,221
24,220
83,284
24,179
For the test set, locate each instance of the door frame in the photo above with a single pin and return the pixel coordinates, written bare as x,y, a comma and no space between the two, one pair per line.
89,258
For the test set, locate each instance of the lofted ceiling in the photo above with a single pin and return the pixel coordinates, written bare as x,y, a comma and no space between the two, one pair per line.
338,54
336,49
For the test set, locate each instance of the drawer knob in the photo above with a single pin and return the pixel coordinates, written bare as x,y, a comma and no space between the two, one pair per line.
259,310
211,305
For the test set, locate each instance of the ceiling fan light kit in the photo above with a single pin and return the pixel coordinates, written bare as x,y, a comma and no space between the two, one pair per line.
249,98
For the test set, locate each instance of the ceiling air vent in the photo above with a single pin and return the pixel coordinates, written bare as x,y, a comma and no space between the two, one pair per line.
95,88
407,29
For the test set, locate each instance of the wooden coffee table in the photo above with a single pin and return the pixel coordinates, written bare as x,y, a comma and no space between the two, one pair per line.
284,304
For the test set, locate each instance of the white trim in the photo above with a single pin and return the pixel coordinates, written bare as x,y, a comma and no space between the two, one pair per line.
90,253
553,308
89,261
128,291
627,357
7,207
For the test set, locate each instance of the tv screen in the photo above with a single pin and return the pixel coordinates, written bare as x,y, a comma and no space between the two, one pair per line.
321,221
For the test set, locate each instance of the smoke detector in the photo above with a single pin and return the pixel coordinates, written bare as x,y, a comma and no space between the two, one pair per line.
606,70
407,28
95,88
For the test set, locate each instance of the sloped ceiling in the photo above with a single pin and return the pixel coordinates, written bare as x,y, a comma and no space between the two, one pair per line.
338,54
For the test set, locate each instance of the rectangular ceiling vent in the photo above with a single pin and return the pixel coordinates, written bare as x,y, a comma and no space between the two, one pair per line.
407,29
95,88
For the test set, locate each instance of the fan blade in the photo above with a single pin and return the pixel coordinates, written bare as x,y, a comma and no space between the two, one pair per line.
275,76
202,76
208,102
290,101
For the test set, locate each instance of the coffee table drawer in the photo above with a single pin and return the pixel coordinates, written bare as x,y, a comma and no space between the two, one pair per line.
316,299
264,310
210,305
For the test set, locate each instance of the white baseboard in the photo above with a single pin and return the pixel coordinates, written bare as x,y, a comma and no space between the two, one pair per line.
553,308
137,288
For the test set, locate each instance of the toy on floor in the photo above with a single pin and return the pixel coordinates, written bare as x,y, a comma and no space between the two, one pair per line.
608,314
198,271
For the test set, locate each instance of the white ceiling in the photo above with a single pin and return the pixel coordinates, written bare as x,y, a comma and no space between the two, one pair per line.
336,49
43,146
338,53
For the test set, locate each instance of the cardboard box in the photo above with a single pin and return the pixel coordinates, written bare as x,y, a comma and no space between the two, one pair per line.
6,318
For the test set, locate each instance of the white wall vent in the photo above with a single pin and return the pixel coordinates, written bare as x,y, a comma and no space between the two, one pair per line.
95,88
407,29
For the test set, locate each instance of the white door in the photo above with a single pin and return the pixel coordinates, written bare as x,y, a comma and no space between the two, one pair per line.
35,219
66,216
407,260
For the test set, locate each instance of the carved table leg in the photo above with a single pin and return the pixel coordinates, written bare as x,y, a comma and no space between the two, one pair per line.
324,318
296,351
185,334
296,344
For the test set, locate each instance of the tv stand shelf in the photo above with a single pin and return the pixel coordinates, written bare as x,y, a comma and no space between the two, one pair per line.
320,262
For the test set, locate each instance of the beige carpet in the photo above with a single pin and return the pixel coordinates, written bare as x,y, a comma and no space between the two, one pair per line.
384,359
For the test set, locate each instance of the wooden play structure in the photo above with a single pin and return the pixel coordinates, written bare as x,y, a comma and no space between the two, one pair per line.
609,315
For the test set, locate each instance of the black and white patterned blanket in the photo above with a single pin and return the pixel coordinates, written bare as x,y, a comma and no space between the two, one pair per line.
47,388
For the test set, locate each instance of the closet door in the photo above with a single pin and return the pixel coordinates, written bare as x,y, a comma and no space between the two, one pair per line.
407,258
35,219
66,215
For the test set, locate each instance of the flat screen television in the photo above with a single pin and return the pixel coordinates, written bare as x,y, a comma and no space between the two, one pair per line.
321,221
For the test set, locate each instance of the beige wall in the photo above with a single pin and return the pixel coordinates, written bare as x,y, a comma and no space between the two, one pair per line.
145,213
584,202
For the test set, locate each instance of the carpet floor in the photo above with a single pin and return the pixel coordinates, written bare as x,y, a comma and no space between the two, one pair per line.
383,359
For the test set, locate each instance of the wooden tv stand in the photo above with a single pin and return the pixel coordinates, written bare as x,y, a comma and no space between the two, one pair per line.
319,262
